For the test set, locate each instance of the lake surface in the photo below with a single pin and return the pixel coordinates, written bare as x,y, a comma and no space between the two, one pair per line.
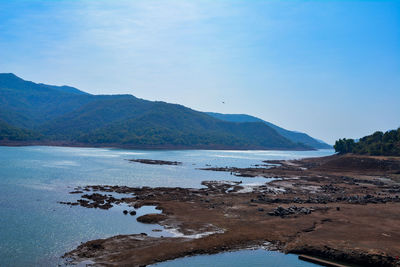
35,230
256,257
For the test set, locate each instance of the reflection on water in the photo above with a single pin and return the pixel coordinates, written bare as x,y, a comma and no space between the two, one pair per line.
36,230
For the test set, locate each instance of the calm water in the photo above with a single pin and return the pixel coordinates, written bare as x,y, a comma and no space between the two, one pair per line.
35,230
258,257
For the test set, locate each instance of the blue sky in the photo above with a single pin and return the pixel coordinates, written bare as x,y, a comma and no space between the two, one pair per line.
328,68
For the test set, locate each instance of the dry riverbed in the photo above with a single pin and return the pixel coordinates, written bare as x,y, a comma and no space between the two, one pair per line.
344,208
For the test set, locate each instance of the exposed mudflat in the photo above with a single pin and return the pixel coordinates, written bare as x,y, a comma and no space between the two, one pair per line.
343,208
155,162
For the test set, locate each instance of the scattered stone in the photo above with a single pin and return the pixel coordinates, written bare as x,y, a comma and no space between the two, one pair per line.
306,183
280,211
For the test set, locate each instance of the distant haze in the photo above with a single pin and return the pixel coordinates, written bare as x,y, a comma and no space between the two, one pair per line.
327,68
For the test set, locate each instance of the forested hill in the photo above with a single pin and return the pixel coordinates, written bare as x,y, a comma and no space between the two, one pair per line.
296,137
32,113
377,144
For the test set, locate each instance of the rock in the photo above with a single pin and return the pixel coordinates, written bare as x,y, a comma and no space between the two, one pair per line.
132,212
106,206
76,192
156,162
125,212
280,211
95,246
151,218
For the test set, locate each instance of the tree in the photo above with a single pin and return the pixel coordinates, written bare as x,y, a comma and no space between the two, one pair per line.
378,144
344,145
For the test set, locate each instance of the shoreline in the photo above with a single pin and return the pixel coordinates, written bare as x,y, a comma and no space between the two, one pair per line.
321,208
143,147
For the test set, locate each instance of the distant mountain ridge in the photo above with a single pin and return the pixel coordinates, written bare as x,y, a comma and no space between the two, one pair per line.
293,136
32,113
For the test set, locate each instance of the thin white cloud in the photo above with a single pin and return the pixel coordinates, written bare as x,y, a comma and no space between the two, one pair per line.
279,60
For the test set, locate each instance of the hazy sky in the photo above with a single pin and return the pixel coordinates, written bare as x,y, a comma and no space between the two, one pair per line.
328,68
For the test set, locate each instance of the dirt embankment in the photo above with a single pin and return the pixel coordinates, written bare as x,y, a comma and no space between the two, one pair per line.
344,208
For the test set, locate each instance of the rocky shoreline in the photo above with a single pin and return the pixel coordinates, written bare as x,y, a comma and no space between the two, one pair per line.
343,208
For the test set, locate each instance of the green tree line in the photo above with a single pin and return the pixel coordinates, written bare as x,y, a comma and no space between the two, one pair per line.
376,144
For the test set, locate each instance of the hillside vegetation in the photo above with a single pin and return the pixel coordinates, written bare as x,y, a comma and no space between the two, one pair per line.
293,136
8,132
51,114
377,144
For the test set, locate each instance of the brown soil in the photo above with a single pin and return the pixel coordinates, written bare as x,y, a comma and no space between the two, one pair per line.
344,208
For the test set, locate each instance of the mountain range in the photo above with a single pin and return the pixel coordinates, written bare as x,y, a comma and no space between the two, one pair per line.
293,136
34,113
